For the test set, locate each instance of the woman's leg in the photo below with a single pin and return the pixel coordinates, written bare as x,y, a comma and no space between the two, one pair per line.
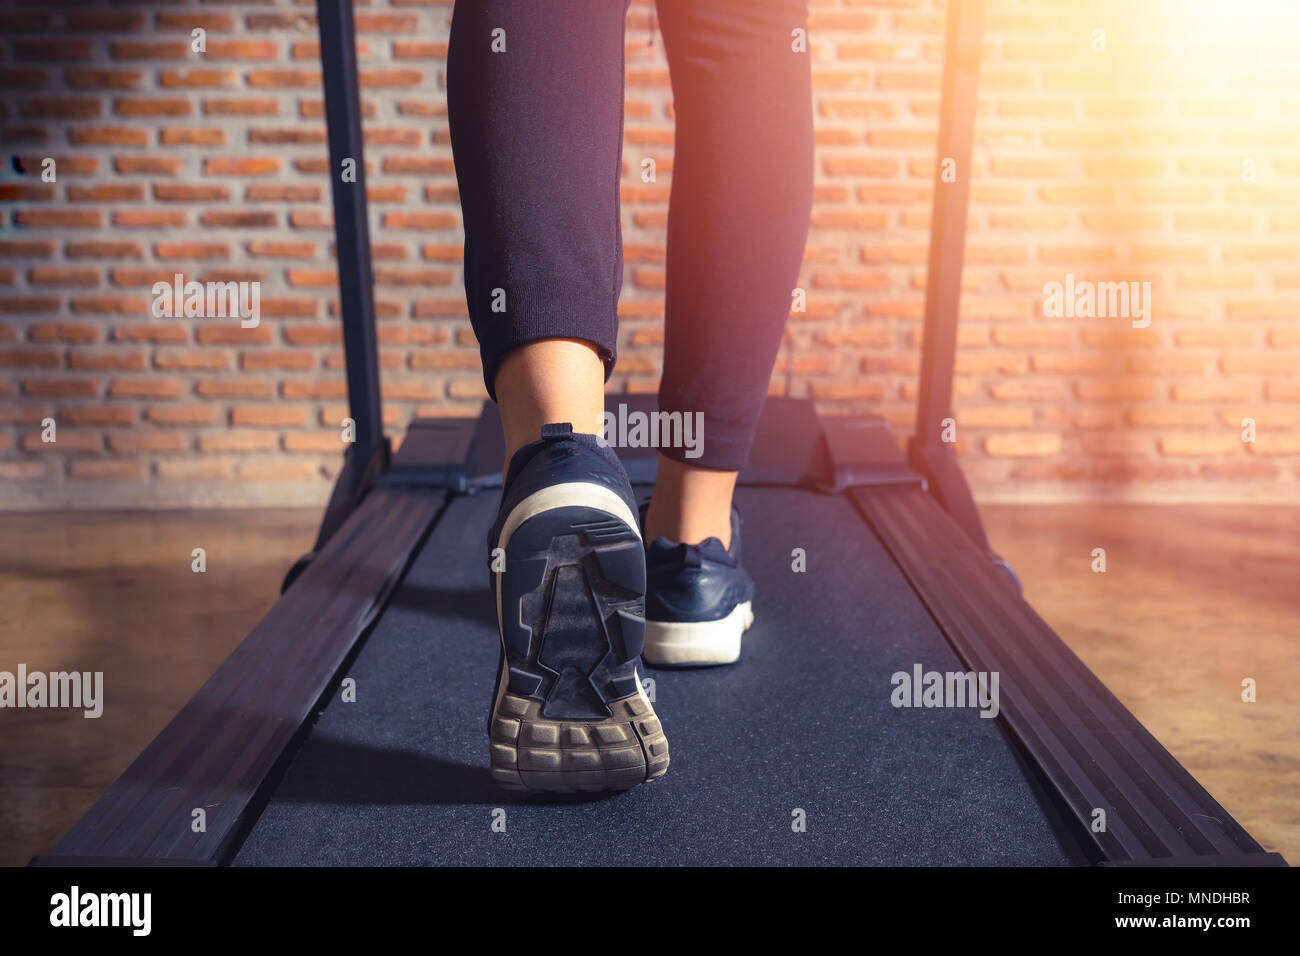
535,101
535,107
737,224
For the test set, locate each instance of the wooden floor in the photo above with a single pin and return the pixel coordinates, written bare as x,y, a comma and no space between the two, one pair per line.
1193,600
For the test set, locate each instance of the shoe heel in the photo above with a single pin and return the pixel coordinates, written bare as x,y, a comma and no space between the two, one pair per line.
570,713
530,752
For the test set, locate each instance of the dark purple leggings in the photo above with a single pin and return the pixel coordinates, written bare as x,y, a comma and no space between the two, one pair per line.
537,134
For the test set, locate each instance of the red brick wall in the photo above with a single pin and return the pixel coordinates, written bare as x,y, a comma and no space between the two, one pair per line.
1125,163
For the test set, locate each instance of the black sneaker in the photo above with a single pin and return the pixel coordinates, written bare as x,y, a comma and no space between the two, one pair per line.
568,575
699,601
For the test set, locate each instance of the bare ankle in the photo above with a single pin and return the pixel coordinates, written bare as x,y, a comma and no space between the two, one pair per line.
551,380
690,503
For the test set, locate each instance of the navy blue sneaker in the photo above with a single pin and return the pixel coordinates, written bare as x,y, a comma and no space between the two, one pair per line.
699,601
568,575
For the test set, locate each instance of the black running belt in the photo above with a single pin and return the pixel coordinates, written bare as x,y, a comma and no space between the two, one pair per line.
793,755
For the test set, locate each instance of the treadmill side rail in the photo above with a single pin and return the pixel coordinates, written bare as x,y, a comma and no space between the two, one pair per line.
1091,751
225,746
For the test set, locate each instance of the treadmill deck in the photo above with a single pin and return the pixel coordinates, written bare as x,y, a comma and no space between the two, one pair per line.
804,722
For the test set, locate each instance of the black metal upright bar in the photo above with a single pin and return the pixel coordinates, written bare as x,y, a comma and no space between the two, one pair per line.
929,452
948,217
338,54
368,455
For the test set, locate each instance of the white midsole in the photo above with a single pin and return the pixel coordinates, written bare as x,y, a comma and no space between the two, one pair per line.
698,642
571,494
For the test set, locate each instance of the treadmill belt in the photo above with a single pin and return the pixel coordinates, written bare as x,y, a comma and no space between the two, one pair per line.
802,723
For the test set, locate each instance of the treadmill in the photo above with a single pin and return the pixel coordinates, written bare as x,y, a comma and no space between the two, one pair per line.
348,727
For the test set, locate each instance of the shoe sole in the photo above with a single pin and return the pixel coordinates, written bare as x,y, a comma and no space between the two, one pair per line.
570,713
698,643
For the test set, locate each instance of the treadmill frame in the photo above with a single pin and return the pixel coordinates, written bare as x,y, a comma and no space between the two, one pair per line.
227,748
